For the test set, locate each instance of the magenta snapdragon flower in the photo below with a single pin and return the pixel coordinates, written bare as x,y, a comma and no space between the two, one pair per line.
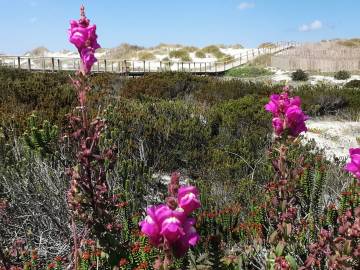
188,198
287,114
354,165
83,36
173,227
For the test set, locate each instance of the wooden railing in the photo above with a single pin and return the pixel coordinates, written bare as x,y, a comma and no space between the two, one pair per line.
139,67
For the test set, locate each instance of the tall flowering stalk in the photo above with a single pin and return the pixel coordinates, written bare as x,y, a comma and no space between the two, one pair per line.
88,197
281,207
169,226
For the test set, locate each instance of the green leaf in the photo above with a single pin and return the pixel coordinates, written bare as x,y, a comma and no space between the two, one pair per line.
279,248
290,259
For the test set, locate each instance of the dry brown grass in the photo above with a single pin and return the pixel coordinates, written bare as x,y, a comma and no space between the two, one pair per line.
261,61
354,42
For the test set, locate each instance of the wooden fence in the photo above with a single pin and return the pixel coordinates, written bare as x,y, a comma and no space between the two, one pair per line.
323,56
137,67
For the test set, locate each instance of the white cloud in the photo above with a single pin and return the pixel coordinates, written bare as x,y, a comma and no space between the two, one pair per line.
33,20
246,5
315,25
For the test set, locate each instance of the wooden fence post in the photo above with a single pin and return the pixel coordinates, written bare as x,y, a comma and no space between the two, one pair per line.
58,63
19,63
52,64
29,64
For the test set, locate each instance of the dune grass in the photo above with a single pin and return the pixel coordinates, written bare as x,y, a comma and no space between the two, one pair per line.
267,45
180,54
146,56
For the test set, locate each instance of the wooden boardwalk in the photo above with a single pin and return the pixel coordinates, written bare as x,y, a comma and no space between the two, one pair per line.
137,67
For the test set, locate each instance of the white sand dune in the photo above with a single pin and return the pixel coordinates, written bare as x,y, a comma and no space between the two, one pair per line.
334,137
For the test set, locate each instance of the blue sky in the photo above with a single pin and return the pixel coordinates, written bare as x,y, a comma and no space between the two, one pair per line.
26,24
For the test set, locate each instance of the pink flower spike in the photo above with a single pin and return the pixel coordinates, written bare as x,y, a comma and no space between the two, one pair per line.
83,36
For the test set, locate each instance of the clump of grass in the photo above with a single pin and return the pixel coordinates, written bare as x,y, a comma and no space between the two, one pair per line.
190,49
124,51
200,54
146,56
248,72
267,45
166,45
180,54
215,51
232,46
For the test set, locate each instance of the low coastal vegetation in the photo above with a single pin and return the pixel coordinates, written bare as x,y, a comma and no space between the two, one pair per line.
170,171
248,72
214,132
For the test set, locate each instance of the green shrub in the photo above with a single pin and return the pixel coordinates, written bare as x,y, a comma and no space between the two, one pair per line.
180,54
161,85
353,84
200,54
299,75
50,95
329,99
342,75
172,85
248,71
171,134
